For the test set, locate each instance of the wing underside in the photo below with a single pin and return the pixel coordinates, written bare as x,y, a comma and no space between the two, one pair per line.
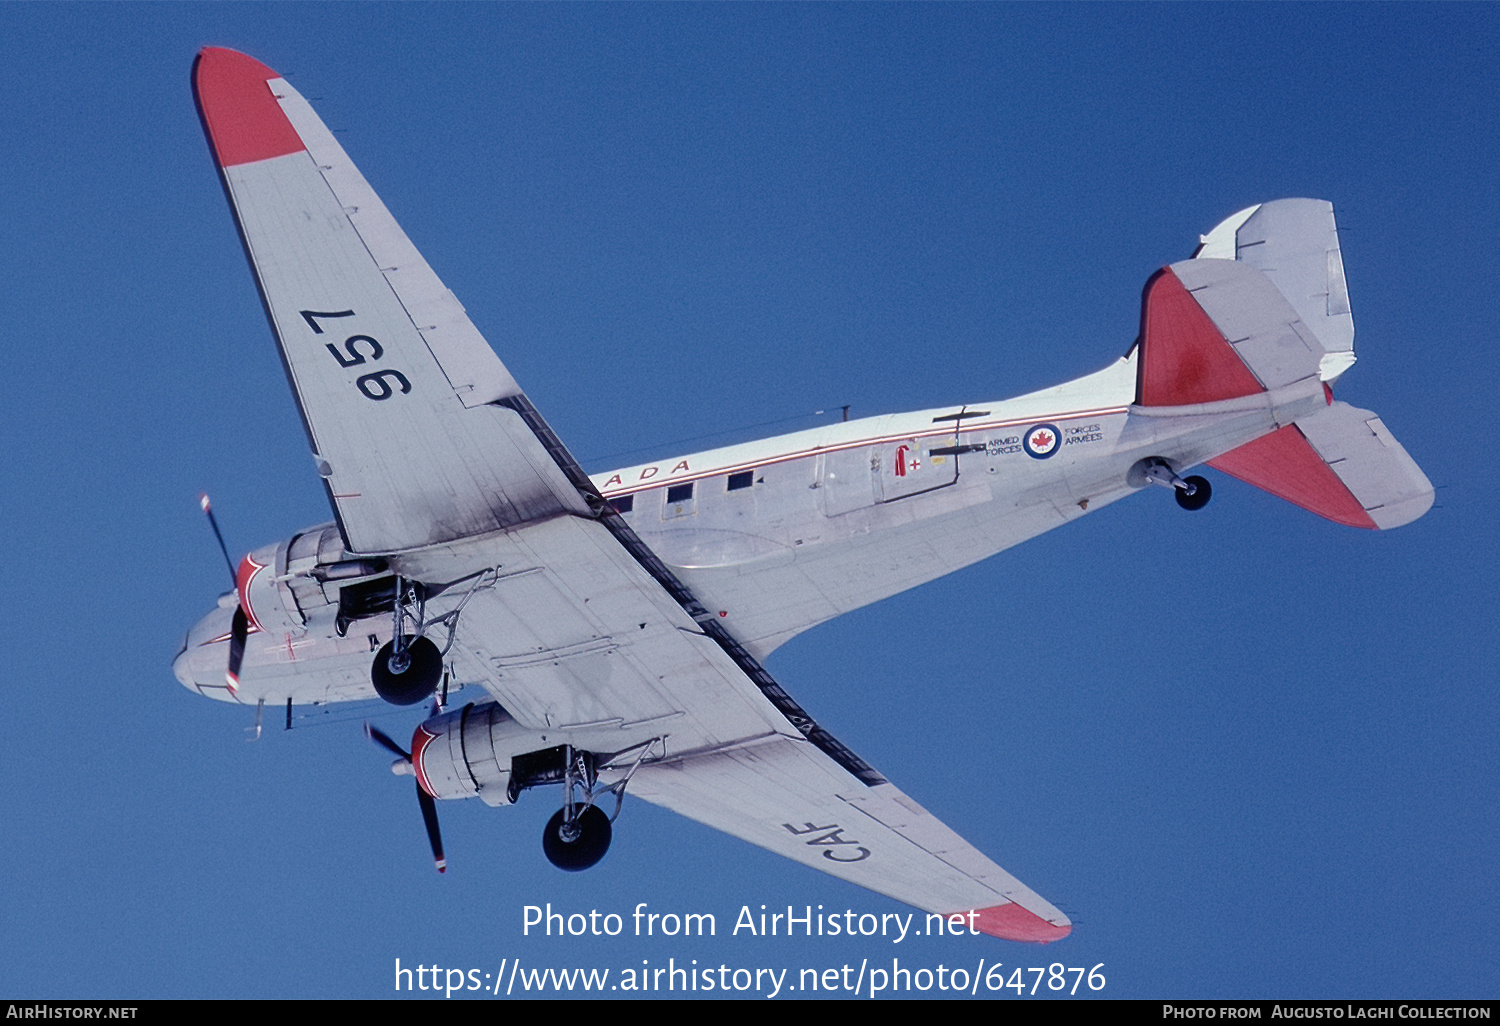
788,797
408,410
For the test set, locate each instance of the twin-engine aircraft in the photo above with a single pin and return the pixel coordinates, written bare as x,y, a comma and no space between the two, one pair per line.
616,625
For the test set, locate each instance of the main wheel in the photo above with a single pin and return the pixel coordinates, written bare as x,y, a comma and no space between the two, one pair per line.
414,684
584,850
1201,492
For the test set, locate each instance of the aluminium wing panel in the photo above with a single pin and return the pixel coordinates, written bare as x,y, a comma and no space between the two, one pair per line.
576,637
395,386
788,797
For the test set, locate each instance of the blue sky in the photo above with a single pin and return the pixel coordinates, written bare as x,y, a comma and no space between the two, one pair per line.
1249,752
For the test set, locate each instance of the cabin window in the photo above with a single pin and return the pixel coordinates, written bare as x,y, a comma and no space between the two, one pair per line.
738,481
623,503
679,493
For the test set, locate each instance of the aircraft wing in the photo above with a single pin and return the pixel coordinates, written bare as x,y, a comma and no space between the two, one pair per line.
581,636
419,432
587,639
790,798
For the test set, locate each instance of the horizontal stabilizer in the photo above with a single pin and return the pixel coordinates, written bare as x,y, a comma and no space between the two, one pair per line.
1340,463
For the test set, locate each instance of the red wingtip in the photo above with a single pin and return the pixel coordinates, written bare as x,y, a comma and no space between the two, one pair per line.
1012,922
243,120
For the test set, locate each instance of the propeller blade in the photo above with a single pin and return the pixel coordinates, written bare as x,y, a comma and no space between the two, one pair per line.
383,740
239,629
434,836
429,807
213,522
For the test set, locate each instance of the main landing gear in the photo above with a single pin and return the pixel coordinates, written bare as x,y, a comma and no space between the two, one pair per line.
578,834
407,668
1192,493
579,844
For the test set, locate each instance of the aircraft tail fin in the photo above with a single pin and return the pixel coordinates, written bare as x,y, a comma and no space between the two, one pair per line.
1264,305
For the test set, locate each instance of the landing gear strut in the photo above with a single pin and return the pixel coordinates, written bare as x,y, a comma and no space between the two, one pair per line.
577,838
407,669
1192,493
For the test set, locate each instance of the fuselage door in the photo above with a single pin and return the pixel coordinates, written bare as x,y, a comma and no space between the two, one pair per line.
847,480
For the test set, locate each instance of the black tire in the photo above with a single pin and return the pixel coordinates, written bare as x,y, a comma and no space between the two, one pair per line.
1202,492
594,833
419,680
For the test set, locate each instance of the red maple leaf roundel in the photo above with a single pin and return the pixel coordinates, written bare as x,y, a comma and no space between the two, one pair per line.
1041,440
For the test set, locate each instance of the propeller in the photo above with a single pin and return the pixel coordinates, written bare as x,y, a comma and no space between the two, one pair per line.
213,522
429,807
239,628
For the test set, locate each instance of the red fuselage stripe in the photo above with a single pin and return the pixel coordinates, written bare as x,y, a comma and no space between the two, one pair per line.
657,481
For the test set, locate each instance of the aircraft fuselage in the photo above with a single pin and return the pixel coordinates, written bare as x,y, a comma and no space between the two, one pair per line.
773,536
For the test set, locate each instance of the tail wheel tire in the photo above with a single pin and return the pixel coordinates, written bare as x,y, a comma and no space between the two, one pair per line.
414,684
593,832
1201,492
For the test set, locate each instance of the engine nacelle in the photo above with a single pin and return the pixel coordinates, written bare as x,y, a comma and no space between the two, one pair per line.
282,586
468,752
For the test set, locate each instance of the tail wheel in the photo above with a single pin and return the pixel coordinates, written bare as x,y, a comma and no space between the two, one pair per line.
414,684
1196,494
581,846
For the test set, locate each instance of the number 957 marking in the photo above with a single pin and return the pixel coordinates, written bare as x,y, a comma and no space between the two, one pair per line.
377,385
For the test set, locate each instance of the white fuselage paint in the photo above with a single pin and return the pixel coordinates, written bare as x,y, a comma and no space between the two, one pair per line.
832,518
